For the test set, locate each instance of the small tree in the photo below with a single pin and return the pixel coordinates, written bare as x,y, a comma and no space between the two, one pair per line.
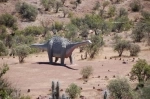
3,49
63,1
7,20
97,43
58,5
111,11
47,4
86,72
105,4
121,46
97,6
135,5
120,89
57,26
3,32
65,12
140,71
27,11
33,30
138,32
134,49
22,51
122,12
73,91
46,26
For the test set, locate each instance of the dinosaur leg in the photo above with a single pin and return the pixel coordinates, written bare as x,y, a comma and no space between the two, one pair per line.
56,59
50,56
63,53
62,61
71,61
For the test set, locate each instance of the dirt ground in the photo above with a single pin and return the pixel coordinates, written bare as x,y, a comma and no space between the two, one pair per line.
36,74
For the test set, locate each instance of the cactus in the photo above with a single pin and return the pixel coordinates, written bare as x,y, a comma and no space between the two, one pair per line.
55,92
105,95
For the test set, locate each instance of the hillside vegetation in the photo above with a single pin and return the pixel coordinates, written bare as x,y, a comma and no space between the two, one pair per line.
120,24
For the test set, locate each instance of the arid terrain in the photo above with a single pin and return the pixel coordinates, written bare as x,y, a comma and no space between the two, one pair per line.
37,74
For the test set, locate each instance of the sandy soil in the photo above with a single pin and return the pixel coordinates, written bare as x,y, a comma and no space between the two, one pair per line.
36,74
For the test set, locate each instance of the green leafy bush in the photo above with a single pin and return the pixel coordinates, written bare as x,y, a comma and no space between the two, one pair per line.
111,11
97,6
134,49
3,49
138,32
122,12
71,33
121,46
48,4
27,11
21,39
33,30
121,24
57,26
86,72
3,32
120,89
135,5
73,91
22,51
7,20
93,49
140,72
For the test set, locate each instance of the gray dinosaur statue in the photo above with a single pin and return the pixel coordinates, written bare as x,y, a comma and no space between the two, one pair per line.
60,47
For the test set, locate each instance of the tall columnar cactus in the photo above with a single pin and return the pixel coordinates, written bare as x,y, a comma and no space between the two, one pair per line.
53,89
55,92
105,95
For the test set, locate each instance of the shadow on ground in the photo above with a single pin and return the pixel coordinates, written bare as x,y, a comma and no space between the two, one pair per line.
57,64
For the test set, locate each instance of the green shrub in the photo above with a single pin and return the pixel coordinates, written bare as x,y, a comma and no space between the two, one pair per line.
27,11
97,6
33,30
6,90
121,46
86,72
111,11
73,91
3,49
7,20
97,43
48,4
120,89
121,24
25,97
122,12
22,51
145,93
138,32
21,39
71,33
135,5
58,4
134,49
3,32
57,26
140,71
